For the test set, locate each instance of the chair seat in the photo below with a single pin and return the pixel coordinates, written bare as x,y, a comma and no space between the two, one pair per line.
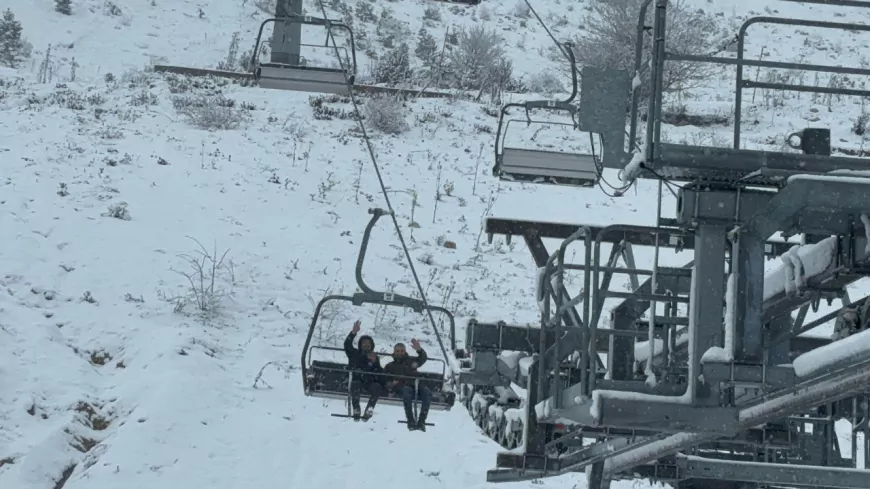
329,380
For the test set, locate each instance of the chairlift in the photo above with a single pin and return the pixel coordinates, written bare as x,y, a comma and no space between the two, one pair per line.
332,380
301,77
543,166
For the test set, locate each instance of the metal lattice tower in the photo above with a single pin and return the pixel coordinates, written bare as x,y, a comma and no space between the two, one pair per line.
729,393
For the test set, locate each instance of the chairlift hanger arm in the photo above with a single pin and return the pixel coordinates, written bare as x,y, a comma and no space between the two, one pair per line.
384,297
371,296
569,52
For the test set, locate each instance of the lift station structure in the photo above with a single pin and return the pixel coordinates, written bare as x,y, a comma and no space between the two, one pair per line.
702,379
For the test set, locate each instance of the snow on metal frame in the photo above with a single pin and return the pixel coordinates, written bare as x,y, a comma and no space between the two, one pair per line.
810,394
854,348
798,264
718,354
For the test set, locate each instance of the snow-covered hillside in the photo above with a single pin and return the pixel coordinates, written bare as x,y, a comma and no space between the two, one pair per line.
110,377
86,321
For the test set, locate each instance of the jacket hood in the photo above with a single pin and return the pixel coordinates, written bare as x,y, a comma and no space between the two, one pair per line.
364,338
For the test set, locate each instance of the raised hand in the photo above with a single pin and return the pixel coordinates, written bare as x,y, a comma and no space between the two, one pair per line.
356,325
415,344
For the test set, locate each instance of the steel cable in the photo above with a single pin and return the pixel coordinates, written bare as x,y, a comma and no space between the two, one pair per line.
371,152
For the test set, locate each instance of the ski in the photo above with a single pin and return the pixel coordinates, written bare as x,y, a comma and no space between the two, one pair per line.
405,422
360,418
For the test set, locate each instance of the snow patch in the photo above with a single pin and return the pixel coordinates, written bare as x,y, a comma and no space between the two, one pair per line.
44,462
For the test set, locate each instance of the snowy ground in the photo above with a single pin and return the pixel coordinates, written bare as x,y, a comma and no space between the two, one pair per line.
97,369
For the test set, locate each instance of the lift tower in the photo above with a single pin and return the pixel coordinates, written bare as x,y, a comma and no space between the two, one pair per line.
716,387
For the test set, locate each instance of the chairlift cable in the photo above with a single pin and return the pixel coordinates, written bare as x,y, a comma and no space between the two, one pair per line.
546,29
374,160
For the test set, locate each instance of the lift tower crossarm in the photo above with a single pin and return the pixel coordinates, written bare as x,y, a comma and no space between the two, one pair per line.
821,390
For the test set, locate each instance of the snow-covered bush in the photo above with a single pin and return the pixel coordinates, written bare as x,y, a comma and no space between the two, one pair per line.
365,12
63,6
609,41
395,67
478,62
118,211
545,82
432,14
210,112
386,114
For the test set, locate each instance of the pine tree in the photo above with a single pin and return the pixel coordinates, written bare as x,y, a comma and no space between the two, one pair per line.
427,46
11,44
395,67
63,6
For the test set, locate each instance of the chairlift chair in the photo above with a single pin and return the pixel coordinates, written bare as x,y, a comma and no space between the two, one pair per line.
542,166
300,77
332,380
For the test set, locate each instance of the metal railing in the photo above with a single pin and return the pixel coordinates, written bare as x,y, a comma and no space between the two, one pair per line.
660,56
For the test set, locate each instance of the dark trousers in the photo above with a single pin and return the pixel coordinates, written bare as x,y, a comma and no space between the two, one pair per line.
374,390
423,395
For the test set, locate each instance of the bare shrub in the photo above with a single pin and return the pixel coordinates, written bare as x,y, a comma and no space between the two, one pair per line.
144,98
859,125
210,112
205,273
545,82
386,114
234,60
611,29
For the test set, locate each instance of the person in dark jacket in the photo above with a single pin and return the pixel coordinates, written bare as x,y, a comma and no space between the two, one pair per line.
406,366
364,362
